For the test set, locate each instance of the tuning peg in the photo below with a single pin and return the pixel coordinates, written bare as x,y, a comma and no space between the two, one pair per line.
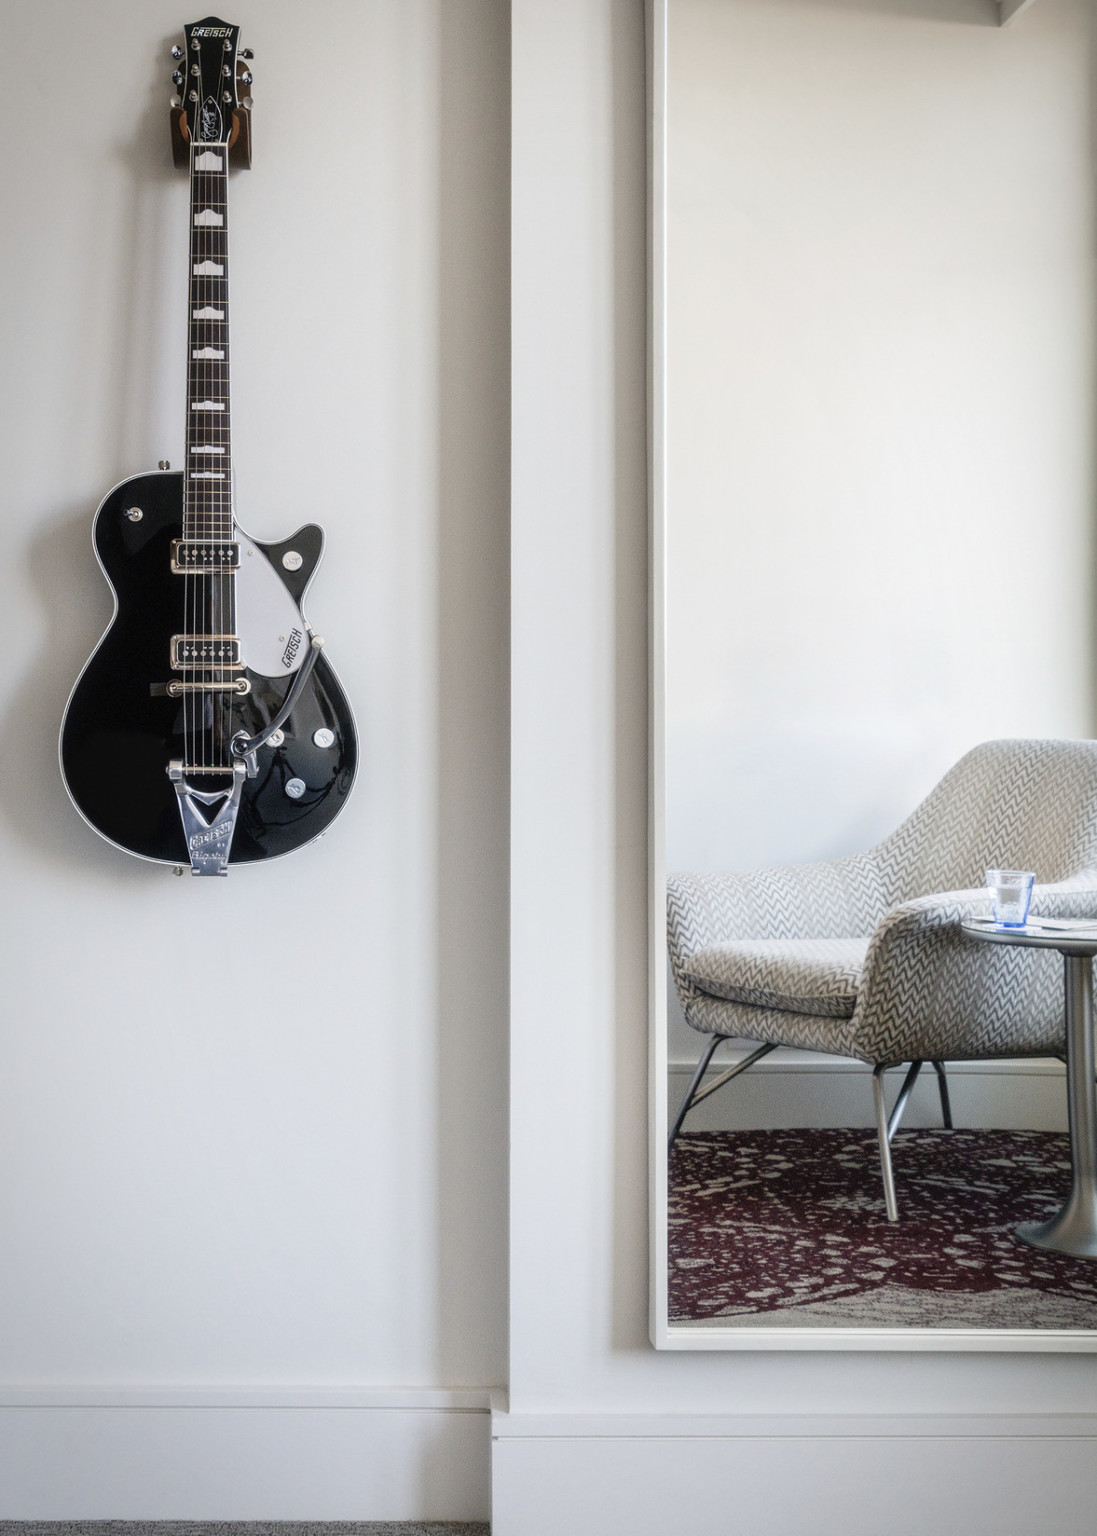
177,76
245,78
176,52
246,53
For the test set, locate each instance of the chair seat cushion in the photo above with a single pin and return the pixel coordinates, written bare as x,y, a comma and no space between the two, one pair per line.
820,976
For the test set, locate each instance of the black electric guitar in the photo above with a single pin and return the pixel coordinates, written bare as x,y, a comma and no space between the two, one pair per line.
208,728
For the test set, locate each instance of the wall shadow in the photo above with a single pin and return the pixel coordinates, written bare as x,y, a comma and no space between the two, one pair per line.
473,681
631,645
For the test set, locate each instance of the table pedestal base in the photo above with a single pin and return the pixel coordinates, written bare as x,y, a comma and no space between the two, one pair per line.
1074,1229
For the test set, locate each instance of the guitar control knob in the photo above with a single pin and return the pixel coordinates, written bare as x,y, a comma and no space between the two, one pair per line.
295,788
323,737
176,51
292,561
134,514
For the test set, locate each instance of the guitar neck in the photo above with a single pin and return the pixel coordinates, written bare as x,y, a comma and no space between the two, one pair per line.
207,504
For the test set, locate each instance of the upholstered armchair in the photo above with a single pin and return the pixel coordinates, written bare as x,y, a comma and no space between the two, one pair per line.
864,957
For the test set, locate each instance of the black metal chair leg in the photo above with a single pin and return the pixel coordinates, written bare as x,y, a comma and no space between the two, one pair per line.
942,1084
695,1082
904,1094
697,1095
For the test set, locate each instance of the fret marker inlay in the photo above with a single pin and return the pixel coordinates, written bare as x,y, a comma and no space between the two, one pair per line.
208,405
208,474
208,216
203,353
208,269
207,161
206,448
209,313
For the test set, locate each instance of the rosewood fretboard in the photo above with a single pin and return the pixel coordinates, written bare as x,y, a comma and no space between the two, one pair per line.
207,507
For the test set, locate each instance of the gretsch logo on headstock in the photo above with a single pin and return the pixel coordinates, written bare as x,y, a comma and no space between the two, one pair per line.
211,32
211,120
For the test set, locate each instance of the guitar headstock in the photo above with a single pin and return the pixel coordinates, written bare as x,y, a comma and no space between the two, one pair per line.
213,82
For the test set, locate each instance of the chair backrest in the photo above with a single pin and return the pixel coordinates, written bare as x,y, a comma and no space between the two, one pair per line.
1005,805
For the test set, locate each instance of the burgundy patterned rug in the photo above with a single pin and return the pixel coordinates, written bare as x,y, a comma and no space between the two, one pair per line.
787,1228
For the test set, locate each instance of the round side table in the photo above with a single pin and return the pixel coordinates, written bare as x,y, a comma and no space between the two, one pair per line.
1074,1229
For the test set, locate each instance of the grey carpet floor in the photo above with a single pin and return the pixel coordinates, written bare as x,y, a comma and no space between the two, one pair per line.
241,1528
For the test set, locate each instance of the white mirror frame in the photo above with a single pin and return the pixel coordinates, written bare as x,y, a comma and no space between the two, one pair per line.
663,1335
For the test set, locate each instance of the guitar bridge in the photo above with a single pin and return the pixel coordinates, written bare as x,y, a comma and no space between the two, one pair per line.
179,686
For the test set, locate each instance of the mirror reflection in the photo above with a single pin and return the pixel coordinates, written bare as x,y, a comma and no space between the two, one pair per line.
878,669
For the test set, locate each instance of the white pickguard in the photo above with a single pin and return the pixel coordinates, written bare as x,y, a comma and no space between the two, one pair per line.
272,631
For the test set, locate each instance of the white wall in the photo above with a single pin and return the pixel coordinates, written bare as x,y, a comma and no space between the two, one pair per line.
251,1133
880,344
602,1429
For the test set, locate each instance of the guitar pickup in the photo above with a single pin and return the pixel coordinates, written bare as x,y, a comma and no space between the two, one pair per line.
205,653
205,556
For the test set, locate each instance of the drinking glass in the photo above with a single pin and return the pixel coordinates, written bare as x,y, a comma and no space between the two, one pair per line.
1010,894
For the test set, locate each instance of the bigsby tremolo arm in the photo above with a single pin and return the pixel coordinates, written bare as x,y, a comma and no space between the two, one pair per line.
245,748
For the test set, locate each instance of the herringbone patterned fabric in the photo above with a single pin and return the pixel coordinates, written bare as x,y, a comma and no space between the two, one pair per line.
925,991
821,976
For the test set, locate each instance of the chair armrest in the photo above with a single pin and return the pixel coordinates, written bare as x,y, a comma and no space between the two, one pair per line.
929,991
839,899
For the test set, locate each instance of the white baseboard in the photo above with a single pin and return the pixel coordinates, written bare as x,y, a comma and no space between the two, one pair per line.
1001,1475
801,1088
72,1453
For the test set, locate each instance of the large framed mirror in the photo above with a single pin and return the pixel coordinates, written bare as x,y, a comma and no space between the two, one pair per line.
873,350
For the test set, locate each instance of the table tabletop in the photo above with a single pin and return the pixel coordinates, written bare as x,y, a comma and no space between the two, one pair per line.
987,929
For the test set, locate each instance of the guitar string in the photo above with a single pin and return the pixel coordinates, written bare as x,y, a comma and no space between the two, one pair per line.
209,604
226,579
189,520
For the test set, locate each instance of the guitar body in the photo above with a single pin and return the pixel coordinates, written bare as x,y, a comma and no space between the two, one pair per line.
122,728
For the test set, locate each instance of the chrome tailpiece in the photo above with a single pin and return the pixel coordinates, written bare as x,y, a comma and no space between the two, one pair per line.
209,818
